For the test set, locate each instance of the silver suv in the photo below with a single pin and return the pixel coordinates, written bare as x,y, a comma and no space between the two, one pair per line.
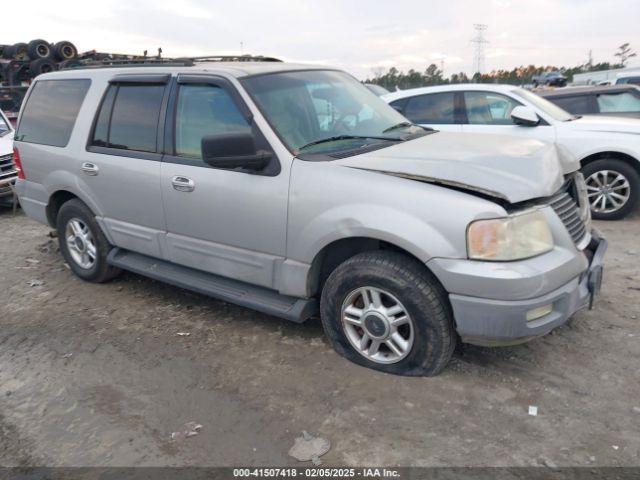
295,191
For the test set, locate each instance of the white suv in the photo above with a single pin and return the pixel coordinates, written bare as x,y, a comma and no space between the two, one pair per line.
8,172
607,147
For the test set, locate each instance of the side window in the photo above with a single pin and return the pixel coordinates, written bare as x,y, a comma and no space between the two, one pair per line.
577,105
399,104
101,132
631,80
128,118
618,102
51,111
488,108
204,110
431,108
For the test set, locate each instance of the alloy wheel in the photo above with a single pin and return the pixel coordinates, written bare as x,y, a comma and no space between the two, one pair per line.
377,325
80,243
608,191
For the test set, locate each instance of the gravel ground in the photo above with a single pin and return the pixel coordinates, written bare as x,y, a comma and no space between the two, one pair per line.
97,375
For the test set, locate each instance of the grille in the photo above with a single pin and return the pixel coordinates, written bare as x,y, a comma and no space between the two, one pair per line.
6,163
564,204
8,173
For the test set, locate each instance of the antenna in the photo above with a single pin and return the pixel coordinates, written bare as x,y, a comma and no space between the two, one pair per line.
480,42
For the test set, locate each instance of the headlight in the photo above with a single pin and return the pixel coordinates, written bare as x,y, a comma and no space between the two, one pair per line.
509,238
583,200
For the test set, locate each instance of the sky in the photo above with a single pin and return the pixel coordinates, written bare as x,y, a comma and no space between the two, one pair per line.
362,37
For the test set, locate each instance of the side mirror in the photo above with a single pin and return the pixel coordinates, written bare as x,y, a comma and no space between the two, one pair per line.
524,116
233,150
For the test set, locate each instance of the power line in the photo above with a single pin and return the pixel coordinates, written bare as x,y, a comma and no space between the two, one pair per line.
479,42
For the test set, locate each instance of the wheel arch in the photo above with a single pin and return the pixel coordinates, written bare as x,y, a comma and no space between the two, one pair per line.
58,198
613,155
340,250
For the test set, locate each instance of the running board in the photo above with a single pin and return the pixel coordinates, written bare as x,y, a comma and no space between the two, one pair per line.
233,291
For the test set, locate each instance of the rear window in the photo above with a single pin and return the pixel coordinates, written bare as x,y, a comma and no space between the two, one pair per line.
51,111
128,118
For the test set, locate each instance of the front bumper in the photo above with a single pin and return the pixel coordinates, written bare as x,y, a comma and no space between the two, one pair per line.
6,192
492,322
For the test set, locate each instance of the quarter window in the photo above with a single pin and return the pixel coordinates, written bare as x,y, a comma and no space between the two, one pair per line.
436,108
205,110
51,111
618,102
129,116
488,108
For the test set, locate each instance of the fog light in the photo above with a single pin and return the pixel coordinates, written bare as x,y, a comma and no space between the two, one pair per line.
538,312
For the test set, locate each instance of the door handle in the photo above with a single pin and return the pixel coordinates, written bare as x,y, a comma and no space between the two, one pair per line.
90,168
183,184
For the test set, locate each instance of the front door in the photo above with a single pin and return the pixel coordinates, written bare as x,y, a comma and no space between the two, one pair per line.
231,223
490,112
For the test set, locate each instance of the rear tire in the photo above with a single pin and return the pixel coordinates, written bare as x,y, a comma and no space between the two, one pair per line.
403,285
616,174
74,214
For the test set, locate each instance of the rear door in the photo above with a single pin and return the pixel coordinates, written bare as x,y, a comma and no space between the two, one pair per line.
228,222
439,110
121,165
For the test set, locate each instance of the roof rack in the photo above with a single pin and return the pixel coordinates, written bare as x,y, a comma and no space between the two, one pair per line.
234,58
167,62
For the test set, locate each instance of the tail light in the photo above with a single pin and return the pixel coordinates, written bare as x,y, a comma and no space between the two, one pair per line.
17,163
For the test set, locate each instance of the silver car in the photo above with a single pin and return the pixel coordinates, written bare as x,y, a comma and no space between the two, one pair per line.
295,191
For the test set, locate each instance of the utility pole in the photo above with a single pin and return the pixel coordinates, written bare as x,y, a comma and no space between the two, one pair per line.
480,42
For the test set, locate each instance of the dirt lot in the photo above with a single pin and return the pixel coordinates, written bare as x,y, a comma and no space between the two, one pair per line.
96,375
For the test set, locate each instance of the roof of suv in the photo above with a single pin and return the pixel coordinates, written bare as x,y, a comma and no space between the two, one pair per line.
586,90
233,69
491,87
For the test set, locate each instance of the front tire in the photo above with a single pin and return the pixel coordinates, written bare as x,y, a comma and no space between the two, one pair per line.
386,311
82,243
612,188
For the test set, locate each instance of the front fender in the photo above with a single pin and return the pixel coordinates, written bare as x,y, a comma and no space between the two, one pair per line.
399,228
424,219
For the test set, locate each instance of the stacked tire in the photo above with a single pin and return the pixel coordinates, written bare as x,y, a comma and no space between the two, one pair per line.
24,61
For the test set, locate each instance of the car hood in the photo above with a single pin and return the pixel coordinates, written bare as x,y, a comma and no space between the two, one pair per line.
6,144
509,168
605,124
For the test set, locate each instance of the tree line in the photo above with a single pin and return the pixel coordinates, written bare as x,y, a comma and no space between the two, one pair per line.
521,75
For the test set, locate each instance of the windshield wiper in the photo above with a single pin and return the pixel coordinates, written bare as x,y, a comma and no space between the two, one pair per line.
348,137
403,125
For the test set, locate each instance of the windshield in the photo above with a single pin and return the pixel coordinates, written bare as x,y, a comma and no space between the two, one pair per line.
546,106
4,125
321,111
